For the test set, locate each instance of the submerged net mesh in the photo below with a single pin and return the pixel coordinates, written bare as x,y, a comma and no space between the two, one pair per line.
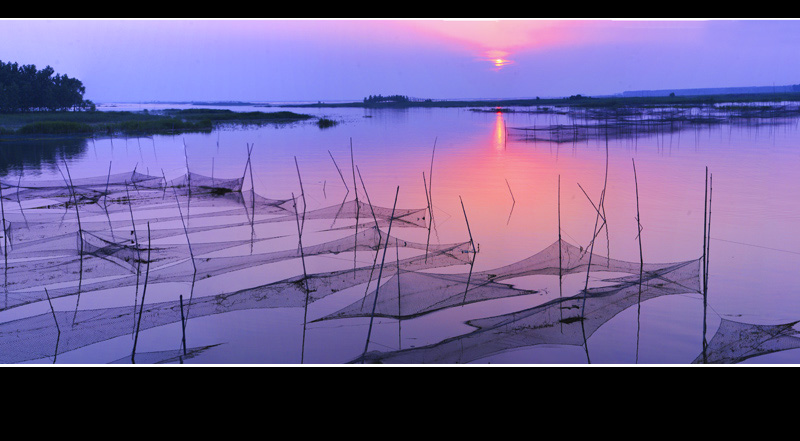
103,235
735,342
410,295
563,321
127,225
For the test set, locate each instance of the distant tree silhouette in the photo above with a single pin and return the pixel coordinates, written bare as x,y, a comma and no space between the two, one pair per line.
23,88
375,99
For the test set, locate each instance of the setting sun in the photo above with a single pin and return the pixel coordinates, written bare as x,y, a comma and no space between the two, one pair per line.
497,57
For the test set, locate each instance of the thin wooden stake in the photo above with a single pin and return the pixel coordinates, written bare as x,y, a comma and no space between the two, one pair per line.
108,179
183,327
185,230
358,208
340,172
5,236
144,291
474,253
399,313
641,258
430,216
378,229
305,278
52,310
302,193
380,273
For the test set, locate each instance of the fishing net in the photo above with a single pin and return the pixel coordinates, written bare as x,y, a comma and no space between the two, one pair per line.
563,321
113,235
409,295
631,122
735,342
108,235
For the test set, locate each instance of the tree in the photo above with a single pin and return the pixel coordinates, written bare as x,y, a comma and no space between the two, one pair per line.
25,89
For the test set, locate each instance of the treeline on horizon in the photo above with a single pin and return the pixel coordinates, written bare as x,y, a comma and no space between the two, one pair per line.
23,88
374,99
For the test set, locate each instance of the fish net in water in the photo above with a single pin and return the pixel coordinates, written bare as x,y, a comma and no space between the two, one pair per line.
563,321
127,225
35,337
735,342
409,295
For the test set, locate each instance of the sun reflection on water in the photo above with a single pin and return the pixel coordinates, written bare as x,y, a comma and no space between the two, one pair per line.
499,131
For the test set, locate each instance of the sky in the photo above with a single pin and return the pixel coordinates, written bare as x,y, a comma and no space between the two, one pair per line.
141,60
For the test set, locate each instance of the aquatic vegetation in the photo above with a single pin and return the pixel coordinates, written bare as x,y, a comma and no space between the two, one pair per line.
324,123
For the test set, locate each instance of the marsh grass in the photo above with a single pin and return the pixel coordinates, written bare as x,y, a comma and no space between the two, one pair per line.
324,123
170,121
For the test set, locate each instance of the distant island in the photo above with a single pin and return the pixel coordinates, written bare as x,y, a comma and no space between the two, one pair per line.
676,97
758,90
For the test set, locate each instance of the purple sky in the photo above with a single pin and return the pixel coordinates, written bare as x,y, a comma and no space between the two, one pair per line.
307,60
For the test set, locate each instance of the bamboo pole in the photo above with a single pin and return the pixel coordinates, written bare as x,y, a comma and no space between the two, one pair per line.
399,312
144,291
183,327
340,172
302,193
641,259
430,215
305,278
185,230
380,273
378,230
358,208
5,236
474,253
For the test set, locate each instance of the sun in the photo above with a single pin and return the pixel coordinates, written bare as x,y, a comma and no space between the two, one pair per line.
497,58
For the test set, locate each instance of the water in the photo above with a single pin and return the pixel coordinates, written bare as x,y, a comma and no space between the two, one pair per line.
510,189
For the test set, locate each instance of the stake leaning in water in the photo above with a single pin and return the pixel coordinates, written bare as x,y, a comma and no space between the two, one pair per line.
144,291
380,273
305,277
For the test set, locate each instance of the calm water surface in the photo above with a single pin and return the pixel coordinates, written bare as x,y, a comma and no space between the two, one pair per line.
510,190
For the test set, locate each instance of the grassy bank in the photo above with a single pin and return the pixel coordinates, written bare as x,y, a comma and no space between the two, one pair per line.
144,123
